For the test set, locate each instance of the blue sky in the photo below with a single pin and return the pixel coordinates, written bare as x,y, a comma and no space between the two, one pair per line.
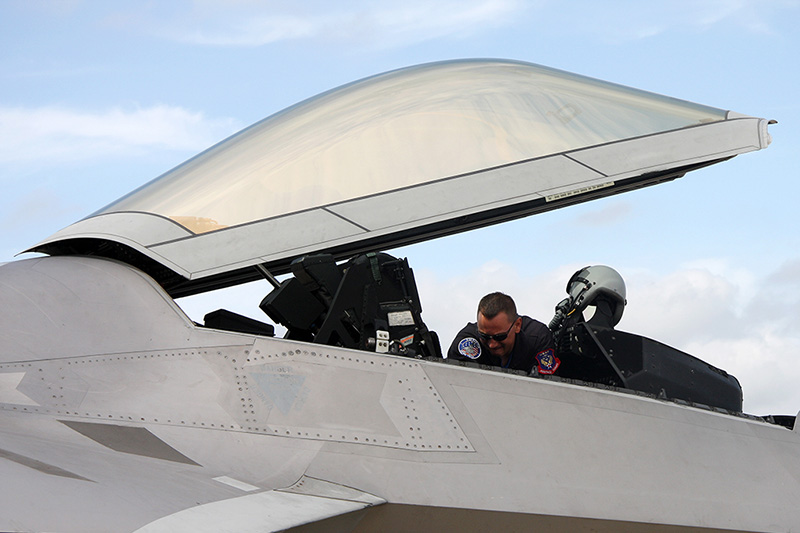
97,98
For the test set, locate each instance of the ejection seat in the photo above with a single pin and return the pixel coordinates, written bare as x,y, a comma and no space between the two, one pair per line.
592,350
368,303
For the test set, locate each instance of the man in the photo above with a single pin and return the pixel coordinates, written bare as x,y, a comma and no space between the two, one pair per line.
501,337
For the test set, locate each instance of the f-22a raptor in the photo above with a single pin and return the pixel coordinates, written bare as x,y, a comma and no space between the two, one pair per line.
119,413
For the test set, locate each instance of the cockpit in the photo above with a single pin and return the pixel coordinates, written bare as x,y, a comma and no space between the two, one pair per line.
371,303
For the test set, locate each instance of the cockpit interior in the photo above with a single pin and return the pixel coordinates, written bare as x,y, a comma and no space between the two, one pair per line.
371,303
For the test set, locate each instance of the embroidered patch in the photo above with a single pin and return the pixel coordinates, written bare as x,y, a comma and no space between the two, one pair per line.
469,347
547,361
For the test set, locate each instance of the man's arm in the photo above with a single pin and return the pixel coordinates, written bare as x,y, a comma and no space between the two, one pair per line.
543,346
465,345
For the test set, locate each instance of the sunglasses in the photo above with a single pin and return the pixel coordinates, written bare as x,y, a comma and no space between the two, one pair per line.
499,337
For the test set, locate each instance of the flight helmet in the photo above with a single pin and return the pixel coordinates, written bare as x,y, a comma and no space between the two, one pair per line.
600,286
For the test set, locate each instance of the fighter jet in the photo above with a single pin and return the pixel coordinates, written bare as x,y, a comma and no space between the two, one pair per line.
119,413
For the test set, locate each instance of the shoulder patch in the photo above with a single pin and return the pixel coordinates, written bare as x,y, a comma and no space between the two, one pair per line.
469,347
547,361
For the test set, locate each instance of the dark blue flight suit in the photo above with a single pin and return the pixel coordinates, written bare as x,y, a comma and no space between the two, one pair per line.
533,347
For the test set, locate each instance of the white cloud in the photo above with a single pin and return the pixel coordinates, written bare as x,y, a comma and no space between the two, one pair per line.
256,24
54,134
651,19
748,14
256,31
690,304
426,20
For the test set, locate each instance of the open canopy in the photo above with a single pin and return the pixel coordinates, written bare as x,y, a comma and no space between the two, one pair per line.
402,157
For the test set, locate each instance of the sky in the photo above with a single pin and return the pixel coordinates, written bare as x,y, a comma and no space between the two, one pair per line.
98,98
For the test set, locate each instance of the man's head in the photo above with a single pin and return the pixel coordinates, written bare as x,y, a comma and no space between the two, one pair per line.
498,323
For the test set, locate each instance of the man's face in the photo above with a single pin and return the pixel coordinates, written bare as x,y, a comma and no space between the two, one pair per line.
499,325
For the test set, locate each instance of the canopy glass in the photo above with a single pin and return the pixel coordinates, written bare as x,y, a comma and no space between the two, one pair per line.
401,129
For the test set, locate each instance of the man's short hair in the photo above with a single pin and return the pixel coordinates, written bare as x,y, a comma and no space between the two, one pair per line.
497,302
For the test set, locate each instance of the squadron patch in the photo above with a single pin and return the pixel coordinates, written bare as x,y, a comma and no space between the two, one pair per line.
469,347
547,362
